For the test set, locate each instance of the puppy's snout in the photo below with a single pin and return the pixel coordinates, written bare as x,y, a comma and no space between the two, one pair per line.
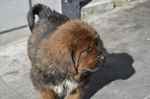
101,59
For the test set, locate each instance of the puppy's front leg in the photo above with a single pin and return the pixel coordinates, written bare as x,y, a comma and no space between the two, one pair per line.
76,94
48,94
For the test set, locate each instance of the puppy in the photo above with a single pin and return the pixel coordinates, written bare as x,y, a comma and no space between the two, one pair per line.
63,53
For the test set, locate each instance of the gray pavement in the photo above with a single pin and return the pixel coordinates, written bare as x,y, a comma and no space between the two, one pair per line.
14,72
126,74
126,34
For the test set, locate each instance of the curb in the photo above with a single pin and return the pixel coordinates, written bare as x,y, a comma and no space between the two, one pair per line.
96,8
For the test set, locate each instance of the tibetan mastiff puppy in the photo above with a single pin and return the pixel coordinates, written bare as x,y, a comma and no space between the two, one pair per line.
63,53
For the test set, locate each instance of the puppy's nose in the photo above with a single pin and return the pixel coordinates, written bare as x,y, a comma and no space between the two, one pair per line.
101,59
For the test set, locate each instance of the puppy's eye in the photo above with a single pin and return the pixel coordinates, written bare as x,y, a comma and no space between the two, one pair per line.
88,50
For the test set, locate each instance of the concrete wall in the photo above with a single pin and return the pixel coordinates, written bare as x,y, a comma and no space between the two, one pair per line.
13,13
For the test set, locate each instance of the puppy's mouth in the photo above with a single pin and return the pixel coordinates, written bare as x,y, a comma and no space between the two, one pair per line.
90,70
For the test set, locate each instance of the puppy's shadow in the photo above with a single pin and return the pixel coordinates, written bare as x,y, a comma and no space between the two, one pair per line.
117,66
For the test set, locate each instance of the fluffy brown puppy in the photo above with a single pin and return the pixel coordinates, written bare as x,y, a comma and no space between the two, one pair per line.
62,54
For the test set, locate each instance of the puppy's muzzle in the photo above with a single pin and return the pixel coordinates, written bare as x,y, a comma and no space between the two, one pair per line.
101,59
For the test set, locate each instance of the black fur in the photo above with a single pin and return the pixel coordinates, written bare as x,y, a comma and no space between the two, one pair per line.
44,12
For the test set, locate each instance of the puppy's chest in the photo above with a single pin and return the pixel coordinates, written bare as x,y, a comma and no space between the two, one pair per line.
65,88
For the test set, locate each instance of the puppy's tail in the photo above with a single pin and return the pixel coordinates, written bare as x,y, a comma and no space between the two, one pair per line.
40,10
44,12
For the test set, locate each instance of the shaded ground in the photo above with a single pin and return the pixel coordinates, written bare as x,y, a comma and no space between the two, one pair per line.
126,74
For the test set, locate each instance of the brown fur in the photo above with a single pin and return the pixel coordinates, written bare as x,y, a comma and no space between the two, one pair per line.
48,94
73,49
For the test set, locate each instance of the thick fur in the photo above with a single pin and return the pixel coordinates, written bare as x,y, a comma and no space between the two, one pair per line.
63,57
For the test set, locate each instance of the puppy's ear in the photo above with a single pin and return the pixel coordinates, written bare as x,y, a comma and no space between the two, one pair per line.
73,59
67,61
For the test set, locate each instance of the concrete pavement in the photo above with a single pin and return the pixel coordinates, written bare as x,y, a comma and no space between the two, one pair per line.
126,35
126,74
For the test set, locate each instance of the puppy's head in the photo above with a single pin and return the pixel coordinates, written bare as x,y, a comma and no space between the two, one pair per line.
88,55
85,46
79,46
88,50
